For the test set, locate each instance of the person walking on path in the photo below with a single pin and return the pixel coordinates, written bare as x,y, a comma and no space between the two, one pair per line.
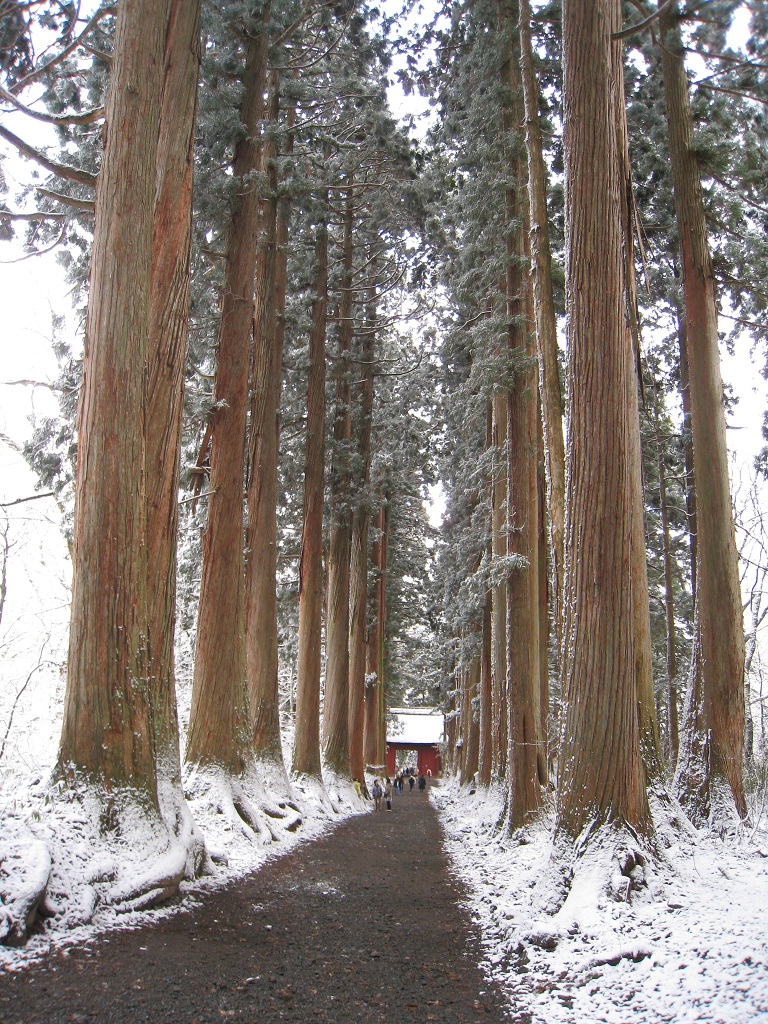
388,793
376,792
410,783
422,784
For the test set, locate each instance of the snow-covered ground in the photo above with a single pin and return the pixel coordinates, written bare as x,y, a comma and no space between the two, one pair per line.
691,944
89,867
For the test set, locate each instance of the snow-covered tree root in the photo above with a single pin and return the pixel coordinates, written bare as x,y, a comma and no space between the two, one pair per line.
228,805
342,794
85,850
333,795
25,868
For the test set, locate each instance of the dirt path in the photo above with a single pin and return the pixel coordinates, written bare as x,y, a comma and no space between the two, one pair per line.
361,926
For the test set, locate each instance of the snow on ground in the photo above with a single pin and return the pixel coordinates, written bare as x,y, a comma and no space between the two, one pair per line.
89,864
691,945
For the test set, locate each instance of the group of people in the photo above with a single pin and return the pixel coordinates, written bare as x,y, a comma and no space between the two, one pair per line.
383,790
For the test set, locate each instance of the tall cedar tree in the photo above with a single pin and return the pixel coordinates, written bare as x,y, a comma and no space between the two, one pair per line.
261,534
336,700
306,748
600,765
219,726
166,356
713,745
522,525
108,730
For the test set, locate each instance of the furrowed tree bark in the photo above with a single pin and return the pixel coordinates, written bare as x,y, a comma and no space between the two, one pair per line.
261,532
219,724
601,770
673,727
543,598
690,479
107,731
166,357
718,715
358,586
546,320
373,649
472,724
650,745
499,592
485,751
336,702
306,750
522,522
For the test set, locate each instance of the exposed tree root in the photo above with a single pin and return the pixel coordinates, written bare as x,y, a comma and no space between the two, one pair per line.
314,793
25,868
86,849
246,805
341,792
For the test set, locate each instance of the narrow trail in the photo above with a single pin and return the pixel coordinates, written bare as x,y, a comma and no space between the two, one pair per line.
364,925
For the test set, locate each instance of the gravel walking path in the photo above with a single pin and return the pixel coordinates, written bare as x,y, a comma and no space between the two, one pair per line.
364,925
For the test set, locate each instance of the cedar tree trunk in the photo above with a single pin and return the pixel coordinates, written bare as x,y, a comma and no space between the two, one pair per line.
219,723
261,532
166,357
358,583
336,702
719,641
601,770
108,730
306,750
546,321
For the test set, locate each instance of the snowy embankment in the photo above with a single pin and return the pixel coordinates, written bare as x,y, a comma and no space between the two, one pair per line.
77,879
691,944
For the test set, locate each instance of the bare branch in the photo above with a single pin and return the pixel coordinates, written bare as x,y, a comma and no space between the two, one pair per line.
86,205
35,215
38,72
31,497
60,170
632,30
88,117
27,681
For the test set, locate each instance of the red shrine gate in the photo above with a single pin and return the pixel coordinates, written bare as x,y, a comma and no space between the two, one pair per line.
416,731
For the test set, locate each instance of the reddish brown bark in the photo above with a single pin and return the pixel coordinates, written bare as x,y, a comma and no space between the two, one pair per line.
719,642
499,592
306,749
522,525
336,700
167,345
485,725
107,730
690,481
601,771
261,532
546,321
358,589
219,724
542,594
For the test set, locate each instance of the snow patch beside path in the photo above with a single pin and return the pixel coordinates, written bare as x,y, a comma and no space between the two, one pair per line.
86,880
691,944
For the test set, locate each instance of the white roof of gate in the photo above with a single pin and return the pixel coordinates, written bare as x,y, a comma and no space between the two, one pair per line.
414,725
